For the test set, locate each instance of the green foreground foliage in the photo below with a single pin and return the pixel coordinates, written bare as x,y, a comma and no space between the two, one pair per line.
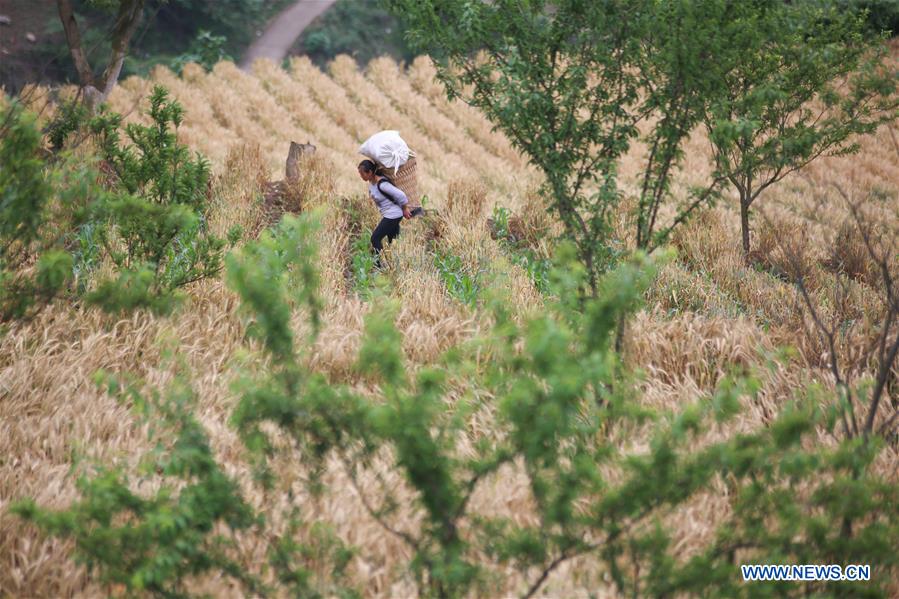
170,535
562,408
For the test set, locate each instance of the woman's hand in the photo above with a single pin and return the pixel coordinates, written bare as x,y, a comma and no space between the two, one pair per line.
406,212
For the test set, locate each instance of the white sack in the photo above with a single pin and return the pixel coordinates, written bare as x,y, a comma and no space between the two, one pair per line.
387,148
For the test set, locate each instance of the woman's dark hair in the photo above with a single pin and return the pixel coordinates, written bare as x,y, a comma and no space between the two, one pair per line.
370,167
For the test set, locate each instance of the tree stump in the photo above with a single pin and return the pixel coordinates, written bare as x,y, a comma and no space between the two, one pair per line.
274,193
296,152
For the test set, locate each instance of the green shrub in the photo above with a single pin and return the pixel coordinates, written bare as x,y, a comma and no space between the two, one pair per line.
318,42
153,226
71,116
58,224
41,203
560,405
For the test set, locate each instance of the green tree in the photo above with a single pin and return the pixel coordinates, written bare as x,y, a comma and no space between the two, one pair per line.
810,81
882,16
237,21
570,82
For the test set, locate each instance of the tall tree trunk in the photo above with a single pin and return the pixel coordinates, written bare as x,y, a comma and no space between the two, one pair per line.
126,24
744,223
96,91
73,39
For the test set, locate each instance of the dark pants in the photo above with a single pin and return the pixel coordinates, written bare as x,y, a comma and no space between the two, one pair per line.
389,228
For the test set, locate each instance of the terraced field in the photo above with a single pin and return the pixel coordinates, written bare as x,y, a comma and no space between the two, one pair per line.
707,312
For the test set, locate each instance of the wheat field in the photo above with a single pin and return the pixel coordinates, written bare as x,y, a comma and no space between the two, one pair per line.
706,313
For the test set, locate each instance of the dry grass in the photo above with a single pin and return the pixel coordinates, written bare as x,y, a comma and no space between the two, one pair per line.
708,312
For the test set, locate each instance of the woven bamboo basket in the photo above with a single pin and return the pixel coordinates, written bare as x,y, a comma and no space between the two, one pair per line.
406,178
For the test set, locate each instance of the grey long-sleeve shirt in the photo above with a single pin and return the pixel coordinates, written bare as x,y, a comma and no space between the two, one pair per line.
388,207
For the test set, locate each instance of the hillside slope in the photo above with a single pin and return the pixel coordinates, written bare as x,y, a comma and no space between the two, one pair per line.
707,313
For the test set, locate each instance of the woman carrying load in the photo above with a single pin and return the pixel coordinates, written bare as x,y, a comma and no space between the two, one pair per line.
391,202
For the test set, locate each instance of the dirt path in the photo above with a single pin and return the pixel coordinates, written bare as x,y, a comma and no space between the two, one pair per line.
283,30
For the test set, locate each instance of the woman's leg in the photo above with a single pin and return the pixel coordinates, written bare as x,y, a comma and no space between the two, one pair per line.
389,228
394,231
378,235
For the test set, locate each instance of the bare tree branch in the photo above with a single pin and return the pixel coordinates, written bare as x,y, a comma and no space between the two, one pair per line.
879,241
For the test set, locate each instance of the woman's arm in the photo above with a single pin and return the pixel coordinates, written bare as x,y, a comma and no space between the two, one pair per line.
396,194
